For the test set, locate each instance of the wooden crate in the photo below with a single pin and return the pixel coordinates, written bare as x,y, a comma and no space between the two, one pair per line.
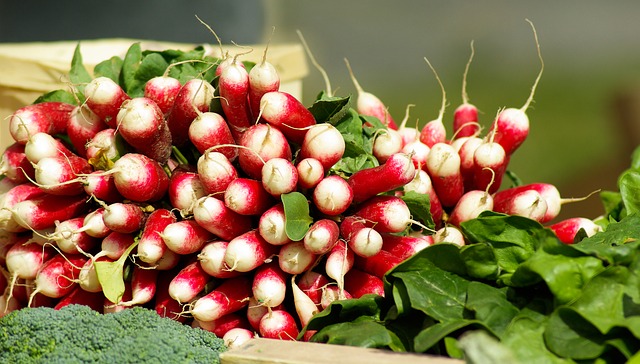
27,70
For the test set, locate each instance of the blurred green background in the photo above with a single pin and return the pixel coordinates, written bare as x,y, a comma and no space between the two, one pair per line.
584,121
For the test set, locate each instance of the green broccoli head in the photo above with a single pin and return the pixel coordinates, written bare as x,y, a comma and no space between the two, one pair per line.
78,334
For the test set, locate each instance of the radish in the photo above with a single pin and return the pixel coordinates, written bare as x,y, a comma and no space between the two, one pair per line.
112,307
295,259
236,337
93,224
163,90
42,212
105,146
359,283
528,203
322,235
422,184
405,246
434,131
331,294
164,305
261,142
230,296
512,125
88,278
41,145
114,245
278,324
8,304
255,312
377,265
279,176
418,151
215,171
55,277
70,238
465,116
247,196
567,229
443,166
209,129
369,104
449,234
263,78
49,117
195,95
185,188
58,175
82,126
305,306
24,262
386,143
142,124
323,142
397,171
271,225
212,214
310,173
185,237
93,300
467,162
408,134
15,166
189,282
233,86
124,217
287,113
365,242
312,283
151,246
247,252
224,324
470,205
140,178
168,260
339,261
19,192
333,195
104,97
211,258
269,284
143,286
385,214
489,165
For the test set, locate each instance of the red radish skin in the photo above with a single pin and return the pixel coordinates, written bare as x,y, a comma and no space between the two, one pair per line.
310,173
105,145
164,305
140,178
55,277
465,116
323,142
333,195
467,161
418,152
255,312
339,261
408,134
189,282
269,284
104,97
567,229
24,262
41,145
124,217
248,251
434,131
385,214
230,296
224,324
78,296
449,234
271,225
322,235
83,125
195,95
114,245
263,78
143,286
369,104
247,196
185,237
377,265
359,283
305,306
528,203
58,175
312,283
93,224
70,238
278,324
212,214
397,171
233,86
185,188
470,205
210,129
211,259
295,259
151,247
15,166
236,337
387,143
42,212
443,166
279,176
260,143
49,117
422,184
405,246
331,294
284,111
163,90
19,192
142,124
216,172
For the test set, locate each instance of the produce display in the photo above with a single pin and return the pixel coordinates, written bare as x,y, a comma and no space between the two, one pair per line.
193,186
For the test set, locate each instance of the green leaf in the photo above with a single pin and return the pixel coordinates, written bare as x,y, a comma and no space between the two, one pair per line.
515,180
362,332
296,212
491,307
629,184
617,245
78,75
130,66
569,335
111,275
420,207
347,166
612,203
479,347
480,261
109,68
57,95
432,335
330,110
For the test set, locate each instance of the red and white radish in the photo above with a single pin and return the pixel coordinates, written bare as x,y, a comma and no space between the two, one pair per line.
278,324
284,111
260,143
359,283
42,212
310,173
142,124
82,127
230,296
443,166
369,104
49,117
185,236
248,251
210,129
143,286
163,90
397,171
124,217
195,95
294,258
323,142
567,229
233,86
216,172
271,225
333,195
322,235
269,284
104,97
449,234
15,165
151,246
279,176
247,196
189,282
263,78
185,189
212,214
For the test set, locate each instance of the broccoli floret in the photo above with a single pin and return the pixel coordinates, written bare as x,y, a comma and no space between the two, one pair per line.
78,334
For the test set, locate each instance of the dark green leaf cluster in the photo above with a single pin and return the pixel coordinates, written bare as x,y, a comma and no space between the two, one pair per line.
78,334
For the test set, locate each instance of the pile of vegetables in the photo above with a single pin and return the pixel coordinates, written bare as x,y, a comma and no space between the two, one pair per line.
193,186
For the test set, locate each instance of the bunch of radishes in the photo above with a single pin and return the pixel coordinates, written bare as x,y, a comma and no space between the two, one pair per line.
99,206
